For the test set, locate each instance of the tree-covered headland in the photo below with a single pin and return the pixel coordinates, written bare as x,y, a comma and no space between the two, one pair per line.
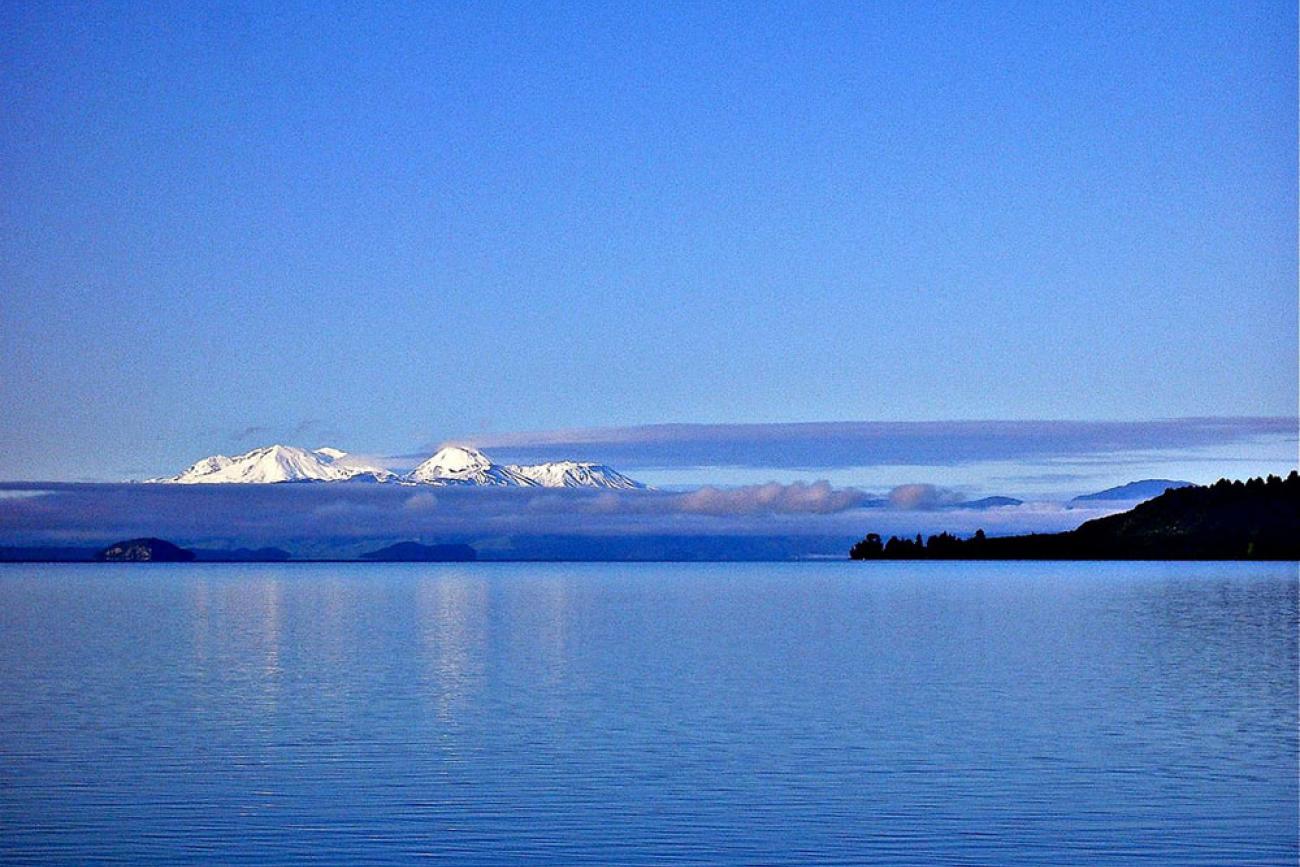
1258,519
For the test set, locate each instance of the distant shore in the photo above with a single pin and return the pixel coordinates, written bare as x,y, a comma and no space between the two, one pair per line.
1258,519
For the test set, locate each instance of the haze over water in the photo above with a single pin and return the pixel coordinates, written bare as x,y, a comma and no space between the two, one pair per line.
790,713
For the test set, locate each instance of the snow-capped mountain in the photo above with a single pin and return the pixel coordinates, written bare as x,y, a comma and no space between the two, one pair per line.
279,463
460,465
453,465
574,474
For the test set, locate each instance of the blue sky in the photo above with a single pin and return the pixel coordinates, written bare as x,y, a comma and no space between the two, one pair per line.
387,227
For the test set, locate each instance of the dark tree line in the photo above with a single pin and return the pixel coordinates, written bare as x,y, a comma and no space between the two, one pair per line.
1257,519
872,548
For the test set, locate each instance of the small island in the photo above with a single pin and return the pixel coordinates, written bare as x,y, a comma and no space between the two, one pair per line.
148,550
1257,519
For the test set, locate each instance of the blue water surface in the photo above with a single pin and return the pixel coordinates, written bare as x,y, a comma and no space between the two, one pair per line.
927,713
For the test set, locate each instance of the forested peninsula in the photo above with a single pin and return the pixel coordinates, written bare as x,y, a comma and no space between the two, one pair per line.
1257,519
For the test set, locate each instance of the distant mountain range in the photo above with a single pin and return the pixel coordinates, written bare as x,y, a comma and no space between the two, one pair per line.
451,466
988,503
277,463
1132,492
414,552
469,467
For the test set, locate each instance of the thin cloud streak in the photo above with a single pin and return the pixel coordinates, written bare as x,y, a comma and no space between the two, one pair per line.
831,445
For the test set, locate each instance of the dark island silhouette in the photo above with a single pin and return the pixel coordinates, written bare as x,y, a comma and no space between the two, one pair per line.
73,554
1257,519
148,550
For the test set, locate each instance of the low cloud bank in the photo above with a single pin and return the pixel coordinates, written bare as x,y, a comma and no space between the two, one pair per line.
818,498
344,519
923,497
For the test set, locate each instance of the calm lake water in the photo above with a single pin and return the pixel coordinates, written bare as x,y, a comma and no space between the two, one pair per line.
792,713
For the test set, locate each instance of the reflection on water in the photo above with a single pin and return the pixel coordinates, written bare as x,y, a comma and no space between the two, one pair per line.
236,629
453,625
553,632
895,712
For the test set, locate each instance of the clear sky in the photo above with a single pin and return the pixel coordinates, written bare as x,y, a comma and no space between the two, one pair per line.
224,225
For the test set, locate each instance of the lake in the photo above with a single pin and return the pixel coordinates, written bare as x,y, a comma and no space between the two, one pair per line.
893,712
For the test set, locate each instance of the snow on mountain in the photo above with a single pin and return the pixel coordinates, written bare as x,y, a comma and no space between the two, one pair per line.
461,465
207,467
456,465
358,468
453,465
574,474
276,463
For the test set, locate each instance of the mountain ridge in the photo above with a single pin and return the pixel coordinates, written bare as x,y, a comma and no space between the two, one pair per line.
1139,491
451,465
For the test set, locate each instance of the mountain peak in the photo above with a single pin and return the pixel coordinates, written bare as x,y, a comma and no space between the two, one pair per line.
459,465
575,474
451,465
460,459
1138,491
271,464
